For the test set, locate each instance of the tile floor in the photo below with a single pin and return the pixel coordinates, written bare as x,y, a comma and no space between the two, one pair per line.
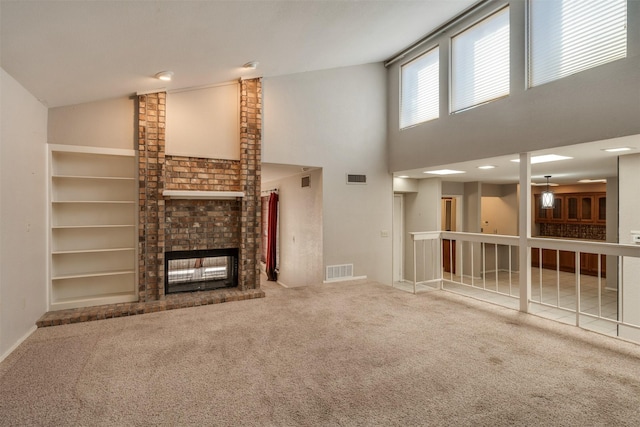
553,296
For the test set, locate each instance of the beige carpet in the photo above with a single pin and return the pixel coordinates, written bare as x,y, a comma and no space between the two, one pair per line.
356,353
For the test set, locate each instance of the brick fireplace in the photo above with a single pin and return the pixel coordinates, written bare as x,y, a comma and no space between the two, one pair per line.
192,224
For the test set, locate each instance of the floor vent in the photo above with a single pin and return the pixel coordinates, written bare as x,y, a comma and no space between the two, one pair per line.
338,272
356,179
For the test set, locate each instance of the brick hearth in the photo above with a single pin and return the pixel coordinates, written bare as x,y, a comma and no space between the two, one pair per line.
170,302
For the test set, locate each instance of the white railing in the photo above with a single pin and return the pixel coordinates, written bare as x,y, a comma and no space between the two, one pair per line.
488,265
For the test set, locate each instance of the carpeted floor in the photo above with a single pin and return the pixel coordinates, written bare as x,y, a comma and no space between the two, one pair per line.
356,353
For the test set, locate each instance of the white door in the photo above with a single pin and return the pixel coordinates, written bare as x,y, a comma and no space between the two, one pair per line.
398,241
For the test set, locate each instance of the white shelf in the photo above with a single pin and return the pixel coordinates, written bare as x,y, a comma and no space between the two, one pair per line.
100,151
113,202
202,195
93,199
90,251
80,177
93,274
112,298
59,227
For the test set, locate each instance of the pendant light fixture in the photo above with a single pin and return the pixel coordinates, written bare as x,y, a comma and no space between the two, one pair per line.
547,196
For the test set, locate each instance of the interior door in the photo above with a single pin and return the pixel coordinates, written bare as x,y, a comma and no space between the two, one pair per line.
449,224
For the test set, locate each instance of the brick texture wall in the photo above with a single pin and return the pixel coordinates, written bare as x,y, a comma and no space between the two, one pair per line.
191,173
174,225
250,162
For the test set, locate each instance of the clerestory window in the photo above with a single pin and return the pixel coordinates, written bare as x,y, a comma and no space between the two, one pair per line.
420,89
569,36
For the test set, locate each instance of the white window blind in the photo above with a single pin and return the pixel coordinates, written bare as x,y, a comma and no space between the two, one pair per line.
480,62
569,36
420,89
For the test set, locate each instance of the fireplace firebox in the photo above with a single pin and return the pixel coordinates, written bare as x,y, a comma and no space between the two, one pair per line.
200,270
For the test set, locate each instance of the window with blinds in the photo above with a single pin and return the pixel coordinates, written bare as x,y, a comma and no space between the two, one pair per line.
420,89
569,36
480,62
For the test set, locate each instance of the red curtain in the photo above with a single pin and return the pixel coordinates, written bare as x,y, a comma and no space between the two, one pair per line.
271,237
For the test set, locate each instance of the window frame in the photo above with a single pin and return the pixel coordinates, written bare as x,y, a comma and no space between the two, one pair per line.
529,54
470,25
423,53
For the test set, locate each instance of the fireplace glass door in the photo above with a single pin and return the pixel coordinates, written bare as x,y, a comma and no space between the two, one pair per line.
189,271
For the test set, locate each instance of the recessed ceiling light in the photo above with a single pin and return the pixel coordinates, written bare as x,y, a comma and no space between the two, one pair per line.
616,150
545,158
251,65
590,181
444,172
487,167
403,176
165,76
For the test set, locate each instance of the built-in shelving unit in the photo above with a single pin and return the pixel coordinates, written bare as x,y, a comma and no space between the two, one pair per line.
93,226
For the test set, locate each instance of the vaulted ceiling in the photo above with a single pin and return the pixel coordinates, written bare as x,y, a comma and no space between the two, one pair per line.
69,52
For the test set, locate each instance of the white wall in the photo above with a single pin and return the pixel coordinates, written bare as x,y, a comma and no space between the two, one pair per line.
592,105
500,210
109,123
204,122
629,219
422,213
300,227
23,207
336,119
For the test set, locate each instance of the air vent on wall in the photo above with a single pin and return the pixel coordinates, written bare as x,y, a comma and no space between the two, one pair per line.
356,179
337,272
305,181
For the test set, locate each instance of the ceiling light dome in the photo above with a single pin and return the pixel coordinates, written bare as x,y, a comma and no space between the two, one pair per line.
252,65
165,76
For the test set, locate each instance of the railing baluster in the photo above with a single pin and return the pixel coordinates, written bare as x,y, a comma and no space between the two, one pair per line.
510,268
540,274
496,256
578,268
472,269
483,253
558,278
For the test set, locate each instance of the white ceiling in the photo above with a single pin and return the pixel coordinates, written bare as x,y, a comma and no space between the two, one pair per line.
70,52
588,161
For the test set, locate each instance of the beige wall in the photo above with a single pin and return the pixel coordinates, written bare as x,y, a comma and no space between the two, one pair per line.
108,123
499,213
23,213
422,213
596,104
629,176
336,120
300,227
204,122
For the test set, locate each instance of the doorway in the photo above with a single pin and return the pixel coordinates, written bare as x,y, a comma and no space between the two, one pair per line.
449,216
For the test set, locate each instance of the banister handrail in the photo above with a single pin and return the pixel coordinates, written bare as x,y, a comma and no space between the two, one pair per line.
615,249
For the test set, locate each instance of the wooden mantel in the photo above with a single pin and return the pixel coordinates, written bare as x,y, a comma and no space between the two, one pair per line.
202,195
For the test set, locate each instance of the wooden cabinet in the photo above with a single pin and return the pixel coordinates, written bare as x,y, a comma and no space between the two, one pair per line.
550,259
601,208
580,208
587,208
566,261
556,214
93,226
589,264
